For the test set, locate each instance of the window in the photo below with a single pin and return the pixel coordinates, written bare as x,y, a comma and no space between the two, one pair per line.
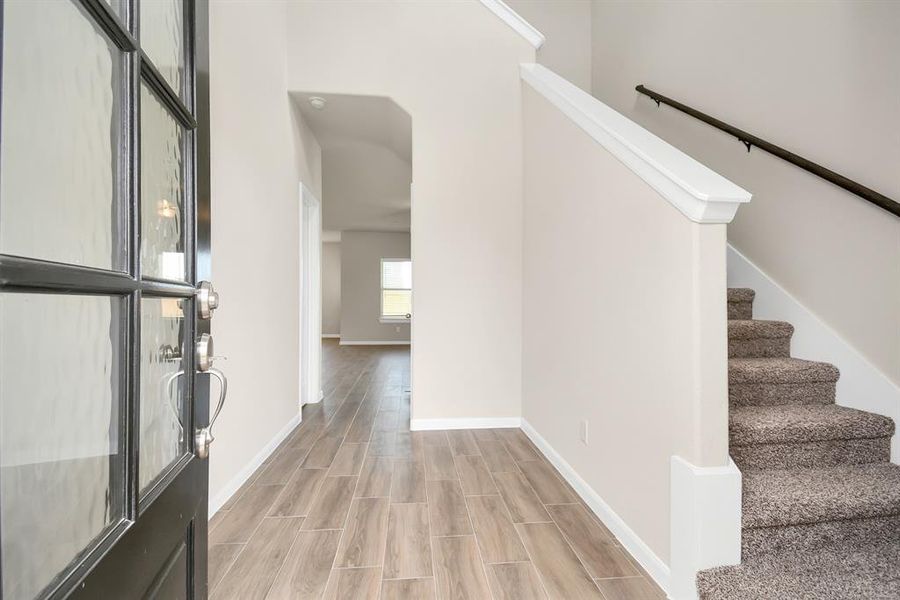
396,289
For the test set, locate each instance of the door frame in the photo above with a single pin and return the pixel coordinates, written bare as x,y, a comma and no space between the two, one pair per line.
310,297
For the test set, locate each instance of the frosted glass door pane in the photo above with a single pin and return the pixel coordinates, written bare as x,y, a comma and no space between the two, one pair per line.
62,474
162,38
61,128
162,191
162,439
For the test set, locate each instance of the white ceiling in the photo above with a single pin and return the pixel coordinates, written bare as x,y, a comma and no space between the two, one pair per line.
366,161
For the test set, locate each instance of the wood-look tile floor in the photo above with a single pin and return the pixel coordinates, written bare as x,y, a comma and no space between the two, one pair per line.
355,505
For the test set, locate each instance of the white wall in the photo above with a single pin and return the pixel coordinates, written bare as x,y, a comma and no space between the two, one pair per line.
619,328
566,25
361,254
454,67
820,79
331,288
260,153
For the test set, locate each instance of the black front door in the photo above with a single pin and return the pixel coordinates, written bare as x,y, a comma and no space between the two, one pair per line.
104,240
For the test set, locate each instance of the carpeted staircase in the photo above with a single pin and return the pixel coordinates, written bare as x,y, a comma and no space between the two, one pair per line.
821,499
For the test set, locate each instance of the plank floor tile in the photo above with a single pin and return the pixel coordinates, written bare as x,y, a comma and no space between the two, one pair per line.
439,463
474,475
365,534
329,511
495,531
360,506
408,548
520,498
348,460
298,494
547,485
515,581
447,508
256,566
497,457
407,589
408,483
354,584
458,570
307,566
240,522
375,477
561,572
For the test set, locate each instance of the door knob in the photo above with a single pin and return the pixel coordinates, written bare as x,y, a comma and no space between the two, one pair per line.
207,299
203,436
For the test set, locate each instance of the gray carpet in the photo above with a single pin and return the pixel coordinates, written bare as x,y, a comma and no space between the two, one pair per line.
821,501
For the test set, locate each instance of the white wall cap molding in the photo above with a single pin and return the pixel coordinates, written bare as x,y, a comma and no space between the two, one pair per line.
465,423
374,342
516,22
700,193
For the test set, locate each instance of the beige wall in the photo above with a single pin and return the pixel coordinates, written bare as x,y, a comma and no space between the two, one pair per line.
623,325
361,254
260,154
821,79
454,67
331,288
566,25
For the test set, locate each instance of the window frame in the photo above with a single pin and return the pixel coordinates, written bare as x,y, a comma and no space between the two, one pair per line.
382,318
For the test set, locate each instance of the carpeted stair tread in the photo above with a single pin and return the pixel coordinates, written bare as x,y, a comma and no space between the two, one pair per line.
804,423
741,295
780,370
756,328
777,497
838,573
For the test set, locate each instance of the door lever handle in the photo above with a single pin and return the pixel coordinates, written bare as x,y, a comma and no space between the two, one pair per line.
204,437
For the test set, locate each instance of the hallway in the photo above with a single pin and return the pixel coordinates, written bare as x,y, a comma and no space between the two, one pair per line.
354,505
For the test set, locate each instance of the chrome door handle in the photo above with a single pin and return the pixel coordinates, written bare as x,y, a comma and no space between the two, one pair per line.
204,437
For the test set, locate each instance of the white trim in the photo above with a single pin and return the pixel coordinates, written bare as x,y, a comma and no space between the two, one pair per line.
217,502
394,320
630,540
862,385
310,296
514,20
705,522
331,335
701,194
475,423
374,342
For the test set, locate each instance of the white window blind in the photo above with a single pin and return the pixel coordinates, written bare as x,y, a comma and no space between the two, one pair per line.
396,288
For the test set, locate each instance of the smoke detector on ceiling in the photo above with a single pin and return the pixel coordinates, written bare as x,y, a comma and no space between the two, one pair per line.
317,102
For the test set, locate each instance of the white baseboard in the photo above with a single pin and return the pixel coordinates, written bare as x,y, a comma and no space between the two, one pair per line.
705,522
485,423
630,540
861,384
215,503
374,343
331,335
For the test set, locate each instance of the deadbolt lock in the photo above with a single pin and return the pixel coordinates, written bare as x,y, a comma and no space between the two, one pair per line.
207,299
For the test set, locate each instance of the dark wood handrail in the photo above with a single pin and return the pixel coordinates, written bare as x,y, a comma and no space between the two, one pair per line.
750,140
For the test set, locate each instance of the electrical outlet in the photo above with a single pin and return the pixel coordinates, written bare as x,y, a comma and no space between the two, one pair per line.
397,329
584,433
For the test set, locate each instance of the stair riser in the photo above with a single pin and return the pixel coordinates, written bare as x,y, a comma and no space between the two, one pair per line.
760,348
757,542
771,394
740,310
812,454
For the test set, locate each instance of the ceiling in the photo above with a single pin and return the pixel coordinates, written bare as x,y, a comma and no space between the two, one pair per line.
366,160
